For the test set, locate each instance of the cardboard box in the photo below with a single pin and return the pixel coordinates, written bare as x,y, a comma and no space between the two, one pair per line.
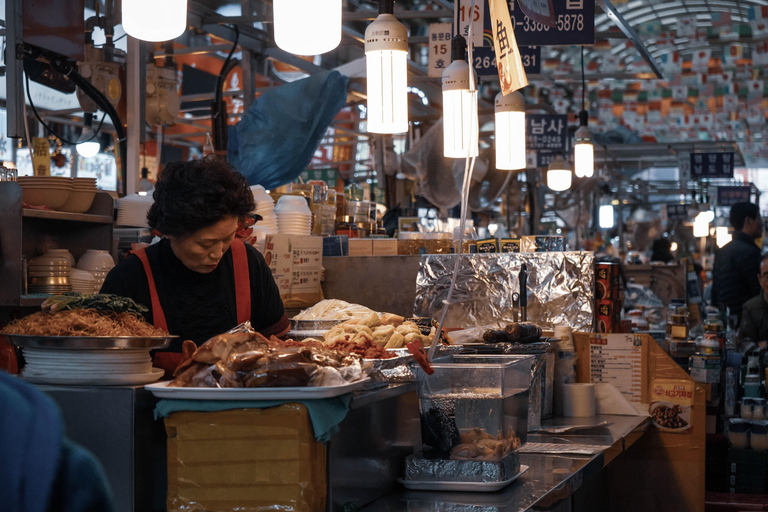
259,459
360,247
385,247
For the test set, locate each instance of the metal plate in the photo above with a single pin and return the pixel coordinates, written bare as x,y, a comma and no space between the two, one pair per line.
161,390
90,342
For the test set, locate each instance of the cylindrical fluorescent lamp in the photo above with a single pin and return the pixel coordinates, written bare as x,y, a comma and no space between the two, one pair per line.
559,175
583,149
306,27
605,216
153,20
386,63
510,131
88,144
460,124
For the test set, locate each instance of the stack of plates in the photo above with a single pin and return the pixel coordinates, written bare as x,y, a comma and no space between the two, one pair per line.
48,274
293,215
265,207
83,281
132,210
51,191
97,367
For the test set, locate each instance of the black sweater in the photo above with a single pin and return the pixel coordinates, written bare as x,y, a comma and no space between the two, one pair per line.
196,306
735,271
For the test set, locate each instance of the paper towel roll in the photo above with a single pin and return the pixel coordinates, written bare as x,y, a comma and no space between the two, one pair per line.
578,400
565,334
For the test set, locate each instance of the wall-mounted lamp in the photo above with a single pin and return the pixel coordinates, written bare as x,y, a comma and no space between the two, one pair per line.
386,63
460,125
153,20
306,27
559,175
88,144
510,131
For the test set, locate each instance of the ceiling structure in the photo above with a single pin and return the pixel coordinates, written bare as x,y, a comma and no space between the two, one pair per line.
711,56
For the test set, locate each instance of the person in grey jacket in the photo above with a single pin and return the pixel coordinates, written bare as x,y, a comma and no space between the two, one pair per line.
737,263
754,315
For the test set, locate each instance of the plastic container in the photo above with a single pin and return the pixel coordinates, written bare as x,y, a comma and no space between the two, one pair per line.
463,401
439,243
758,437
738,434
411,242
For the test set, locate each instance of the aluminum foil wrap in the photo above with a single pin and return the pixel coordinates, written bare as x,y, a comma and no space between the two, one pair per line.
445,470
560,288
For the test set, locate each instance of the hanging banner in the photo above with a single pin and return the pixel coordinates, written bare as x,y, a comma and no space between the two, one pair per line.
574,24
510,64
712,165
41,156
539,10
439,56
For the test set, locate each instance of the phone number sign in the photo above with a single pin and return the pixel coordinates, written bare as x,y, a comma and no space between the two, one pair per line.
484,60
574,24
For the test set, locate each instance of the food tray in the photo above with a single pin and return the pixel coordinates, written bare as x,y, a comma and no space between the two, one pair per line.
161,390
90,342
461,486
315,325
403,357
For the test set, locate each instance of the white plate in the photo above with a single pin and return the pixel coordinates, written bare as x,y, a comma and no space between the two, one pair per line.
460,486
161,390
97,380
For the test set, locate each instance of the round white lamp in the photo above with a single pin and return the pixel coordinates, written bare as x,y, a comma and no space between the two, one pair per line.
306,27
154,20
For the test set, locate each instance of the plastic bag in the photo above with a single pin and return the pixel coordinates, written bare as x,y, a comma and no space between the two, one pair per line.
278,135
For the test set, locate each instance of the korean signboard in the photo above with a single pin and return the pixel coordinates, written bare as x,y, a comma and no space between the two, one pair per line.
546,132
677,212
484,60
574,24
712,165
439,48
729,196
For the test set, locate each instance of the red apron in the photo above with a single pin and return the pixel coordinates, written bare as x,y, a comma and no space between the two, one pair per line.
168,361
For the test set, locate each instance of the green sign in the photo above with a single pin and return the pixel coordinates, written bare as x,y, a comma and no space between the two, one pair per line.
330,176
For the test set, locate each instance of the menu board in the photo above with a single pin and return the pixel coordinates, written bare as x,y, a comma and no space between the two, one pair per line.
616,359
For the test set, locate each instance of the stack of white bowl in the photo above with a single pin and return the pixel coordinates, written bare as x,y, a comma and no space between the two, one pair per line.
82,281
48,274
132,210
51,191
293,215
98,263
265,207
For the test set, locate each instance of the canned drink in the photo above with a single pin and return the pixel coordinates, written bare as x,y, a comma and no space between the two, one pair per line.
608,316
607,281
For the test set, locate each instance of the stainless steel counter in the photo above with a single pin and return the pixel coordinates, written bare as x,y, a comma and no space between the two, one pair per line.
550,480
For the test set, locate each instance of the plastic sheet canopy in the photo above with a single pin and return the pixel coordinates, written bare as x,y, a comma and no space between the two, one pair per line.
560,288
276,138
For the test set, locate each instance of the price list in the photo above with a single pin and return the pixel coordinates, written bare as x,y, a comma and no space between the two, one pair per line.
616,359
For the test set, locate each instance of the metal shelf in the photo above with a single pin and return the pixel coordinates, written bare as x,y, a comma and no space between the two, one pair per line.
75,217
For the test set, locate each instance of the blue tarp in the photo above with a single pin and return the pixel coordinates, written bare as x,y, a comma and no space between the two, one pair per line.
276,138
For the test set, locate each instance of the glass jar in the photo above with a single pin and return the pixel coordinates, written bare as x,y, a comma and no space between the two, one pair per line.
439,243
329,212
677,327
347,227
410,242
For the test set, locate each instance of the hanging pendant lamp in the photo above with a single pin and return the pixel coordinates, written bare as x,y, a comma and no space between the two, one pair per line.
88,144
154,20
559,175
386,63
307,27
460,125
510,131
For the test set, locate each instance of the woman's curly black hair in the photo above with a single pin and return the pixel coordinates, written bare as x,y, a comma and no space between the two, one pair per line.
193,195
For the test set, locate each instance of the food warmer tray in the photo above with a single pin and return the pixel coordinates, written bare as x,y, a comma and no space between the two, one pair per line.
90,342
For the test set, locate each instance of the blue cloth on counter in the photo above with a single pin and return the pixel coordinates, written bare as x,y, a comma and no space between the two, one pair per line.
280,132
325,413
41,469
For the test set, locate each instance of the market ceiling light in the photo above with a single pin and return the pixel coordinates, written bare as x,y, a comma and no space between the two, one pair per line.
510,131
559,175
386,62
88,144
154,20
460,126
307,27
722,236
605,216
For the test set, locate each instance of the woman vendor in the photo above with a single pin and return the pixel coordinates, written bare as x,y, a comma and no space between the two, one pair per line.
200,280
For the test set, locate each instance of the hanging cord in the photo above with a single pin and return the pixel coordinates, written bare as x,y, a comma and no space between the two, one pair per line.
469,167
583,82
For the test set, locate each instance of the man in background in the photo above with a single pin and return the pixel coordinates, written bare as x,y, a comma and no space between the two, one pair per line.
737,263
754,315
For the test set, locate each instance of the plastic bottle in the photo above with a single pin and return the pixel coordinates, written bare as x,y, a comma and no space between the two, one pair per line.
565,365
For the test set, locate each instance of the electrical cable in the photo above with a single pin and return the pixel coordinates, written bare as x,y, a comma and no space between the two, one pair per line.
50,130
218,108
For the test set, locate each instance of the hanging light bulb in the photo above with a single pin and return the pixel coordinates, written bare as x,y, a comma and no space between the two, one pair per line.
460,126
510,131
559,175
386,54
153,20
88,144
306,27
583,149
722,236
700,226
605,216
